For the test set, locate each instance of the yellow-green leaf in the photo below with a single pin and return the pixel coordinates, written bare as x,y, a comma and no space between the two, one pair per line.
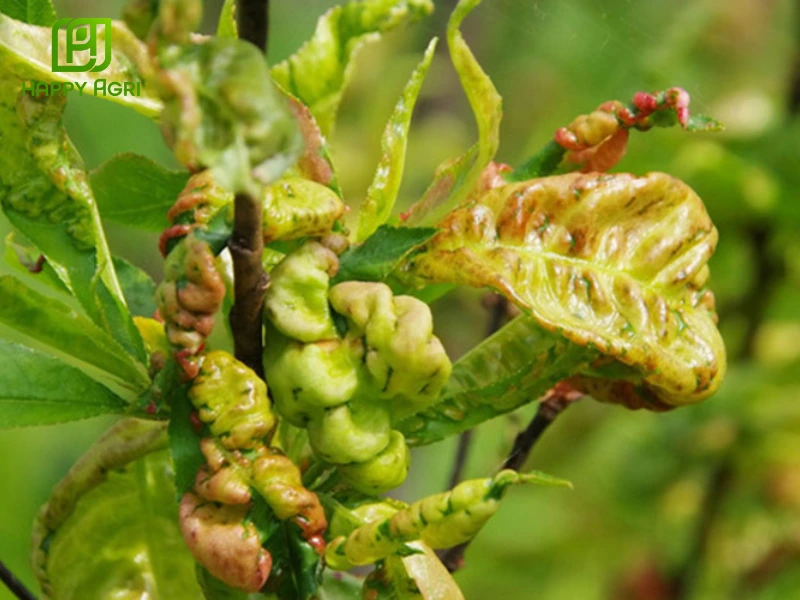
611,263
382,193
111,529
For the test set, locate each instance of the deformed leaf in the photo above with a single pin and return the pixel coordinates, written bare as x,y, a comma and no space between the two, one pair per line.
46,195
440,521
611,263
456,178
110,528
37,389
382,193
133,190
319,71
222,111
380,254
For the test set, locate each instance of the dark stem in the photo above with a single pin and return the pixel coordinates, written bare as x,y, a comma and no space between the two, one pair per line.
548,411
14,585
250,281
552,405
253,22
768,273
498,307
687,576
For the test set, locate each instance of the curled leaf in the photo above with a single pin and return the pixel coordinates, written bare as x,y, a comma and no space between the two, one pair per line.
612,263
455,179
383,190
318,72
440,521
117,498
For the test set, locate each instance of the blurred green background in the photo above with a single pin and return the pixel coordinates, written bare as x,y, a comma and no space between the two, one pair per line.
702,502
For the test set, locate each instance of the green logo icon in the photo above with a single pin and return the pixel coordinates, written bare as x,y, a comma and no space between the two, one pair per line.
82,43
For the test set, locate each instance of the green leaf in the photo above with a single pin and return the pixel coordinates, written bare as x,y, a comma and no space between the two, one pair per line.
319,71
184,443
37,389
380,254
138,287
382,193
613,263
46,195
507,370
545,162
25,52
418,576
223,112
133,190
227,26
339,586
456,178
33,12
120,496
704,123
59,327
25,261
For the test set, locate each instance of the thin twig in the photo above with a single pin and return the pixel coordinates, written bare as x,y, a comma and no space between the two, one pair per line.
550,406
498,306
247,243
687,576
253,22
14,585
249,281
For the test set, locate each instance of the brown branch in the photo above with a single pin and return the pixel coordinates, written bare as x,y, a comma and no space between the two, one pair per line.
550,407
250,281
253,22
247,242
14,585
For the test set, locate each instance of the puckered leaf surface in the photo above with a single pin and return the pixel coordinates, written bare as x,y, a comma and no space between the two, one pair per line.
110,528
611,263
318,72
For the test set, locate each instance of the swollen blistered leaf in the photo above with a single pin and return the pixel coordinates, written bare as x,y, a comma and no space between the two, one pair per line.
382,193
110,528
319,71
440,521
37,389
612,263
